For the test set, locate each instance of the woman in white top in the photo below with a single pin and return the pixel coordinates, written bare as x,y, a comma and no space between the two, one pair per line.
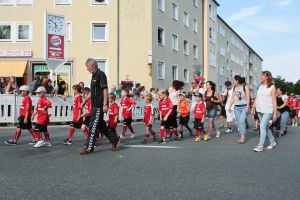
174,92
266,107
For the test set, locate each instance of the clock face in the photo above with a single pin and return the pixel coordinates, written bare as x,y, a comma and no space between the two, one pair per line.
56,24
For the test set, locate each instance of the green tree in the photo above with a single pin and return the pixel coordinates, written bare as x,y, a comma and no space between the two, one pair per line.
281,83
297,87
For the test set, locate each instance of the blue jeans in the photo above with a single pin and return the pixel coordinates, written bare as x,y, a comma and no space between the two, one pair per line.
241,117
284,117
264,128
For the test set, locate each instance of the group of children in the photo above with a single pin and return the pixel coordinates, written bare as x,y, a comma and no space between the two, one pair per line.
81,116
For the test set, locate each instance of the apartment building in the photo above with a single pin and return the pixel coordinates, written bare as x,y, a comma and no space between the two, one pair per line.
150,42
210,39
236,57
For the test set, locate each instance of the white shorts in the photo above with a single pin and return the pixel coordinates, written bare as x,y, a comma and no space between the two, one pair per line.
230,116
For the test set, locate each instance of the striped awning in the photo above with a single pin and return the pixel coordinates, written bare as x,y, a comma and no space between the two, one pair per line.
13,68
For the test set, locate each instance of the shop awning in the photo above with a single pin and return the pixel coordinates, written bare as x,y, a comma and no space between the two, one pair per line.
12,68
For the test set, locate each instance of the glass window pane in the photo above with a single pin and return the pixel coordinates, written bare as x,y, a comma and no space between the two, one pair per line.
5,32
99,32
5,1
23,1
23,32
101,65
63,1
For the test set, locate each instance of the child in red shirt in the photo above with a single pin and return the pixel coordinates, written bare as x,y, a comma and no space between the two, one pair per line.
167,116
127,105
87,114
295,107
149,118
24,118
199,78
200,113
77,111
43,119
113,113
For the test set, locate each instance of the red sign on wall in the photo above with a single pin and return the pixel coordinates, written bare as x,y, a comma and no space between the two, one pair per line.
56,47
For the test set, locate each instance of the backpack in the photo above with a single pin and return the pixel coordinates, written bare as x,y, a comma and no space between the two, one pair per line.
244,89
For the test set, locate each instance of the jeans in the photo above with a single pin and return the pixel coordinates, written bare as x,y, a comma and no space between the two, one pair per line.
241,117
284,117
264,128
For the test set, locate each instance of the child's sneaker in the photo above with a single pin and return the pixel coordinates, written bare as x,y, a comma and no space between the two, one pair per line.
145,141
67,141
132,136
33,142
10,142
47,144
122,137
197,139
39,144
177,138
206,137
162,141
155,137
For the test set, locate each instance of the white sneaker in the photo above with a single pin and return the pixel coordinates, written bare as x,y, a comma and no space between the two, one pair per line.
271,146
39,144
218,134
132,136
293,124
228,131
122,137
296,124
47,144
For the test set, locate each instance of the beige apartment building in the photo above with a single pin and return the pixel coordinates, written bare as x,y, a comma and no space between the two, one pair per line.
236,57
134,41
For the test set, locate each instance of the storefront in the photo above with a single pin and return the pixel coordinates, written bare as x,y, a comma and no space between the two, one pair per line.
63,73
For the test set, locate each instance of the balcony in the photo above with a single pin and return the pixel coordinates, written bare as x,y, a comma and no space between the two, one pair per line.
251,73
251,86
251,61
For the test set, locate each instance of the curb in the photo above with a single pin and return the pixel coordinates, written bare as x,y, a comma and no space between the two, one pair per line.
55,127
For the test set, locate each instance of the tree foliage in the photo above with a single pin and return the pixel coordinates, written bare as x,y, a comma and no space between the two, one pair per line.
287,86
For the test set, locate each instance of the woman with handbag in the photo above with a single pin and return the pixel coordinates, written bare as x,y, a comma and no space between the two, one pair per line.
265,105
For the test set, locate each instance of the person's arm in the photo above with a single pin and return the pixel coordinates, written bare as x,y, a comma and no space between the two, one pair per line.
253,107
7,89
231,101
167,115
285,103
35,112
274,103
248,99
26,117
67,94
218,98
105,97
160,115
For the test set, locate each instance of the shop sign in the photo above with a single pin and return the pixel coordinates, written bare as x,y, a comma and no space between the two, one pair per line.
15,53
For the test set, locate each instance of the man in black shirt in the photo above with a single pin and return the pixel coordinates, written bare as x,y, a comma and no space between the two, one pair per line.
99,96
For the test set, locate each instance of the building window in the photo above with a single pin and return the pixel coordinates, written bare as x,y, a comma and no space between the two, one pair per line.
185,47
161,36
99,2
186,19
174,11
195,25
23,2
103,66
24,31
174,42
195,51
99,32
69,31
186,75
161,5
5,32
174,72
63,2
160,70
195,2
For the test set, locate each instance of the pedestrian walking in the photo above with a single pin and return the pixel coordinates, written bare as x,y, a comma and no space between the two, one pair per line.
229,115
283,108
241,100
200,113
266,107
149,118
184,110
212,99
99,96
113,113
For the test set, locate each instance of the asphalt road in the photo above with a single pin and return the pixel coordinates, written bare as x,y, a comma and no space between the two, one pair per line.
216,169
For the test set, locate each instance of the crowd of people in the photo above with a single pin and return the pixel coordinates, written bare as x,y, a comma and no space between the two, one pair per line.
234,104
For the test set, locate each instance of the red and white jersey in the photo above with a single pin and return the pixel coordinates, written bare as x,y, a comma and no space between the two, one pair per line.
127,103
88,107
113,112
26,106
199,110
295,104
148,112
164,106
43,117
76,107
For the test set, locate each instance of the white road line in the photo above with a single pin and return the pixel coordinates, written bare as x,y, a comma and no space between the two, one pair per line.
158,147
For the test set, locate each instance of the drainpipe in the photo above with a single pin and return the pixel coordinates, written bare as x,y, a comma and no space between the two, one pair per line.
118,44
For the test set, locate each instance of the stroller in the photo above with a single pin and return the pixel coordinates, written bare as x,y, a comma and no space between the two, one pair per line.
274,126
